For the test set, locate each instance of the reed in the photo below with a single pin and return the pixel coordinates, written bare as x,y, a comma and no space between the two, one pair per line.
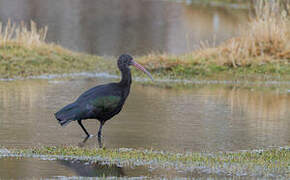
264,40
22,34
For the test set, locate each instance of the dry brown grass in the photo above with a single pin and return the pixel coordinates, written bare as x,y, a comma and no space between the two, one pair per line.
266,38
27,36
22,34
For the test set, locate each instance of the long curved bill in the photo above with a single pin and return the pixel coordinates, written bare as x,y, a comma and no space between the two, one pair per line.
138,66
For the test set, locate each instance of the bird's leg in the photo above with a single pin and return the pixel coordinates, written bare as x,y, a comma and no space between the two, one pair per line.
100,129
82,126
81,144
85,140
100,142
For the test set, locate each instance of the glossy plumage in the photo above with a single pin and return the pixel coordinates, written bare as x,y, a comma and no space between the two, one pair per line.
101,102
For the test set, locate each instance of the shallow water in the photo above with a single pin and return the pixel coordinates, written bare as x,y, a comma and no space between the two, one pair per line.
110,27
202,118
19,168
37,168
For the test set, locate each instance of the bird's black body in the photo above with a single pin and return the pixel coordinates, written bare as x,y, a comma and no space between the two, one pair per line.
101,102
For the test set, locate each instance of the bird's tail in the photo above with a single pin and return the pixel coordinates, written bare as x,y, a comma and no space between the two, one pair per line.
67,114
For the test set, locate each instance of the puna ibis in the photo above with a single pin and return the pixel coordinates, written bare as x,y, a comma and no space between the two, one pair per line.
101,102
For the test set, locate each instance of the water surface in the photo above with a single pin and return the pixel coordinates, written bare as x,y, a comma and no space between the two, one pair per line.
112,27
35,168
202,118
18,168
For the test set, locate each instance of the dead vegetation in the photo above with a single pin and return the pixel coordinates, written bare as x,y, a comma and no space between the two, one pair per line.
22,34
265,39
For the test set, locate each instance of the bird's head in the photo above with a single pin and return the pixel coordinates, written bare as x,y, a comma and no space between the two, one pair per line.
126,60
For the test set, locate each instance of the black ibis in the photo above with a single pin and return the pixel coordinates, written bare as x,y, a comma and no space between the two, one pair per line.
101,102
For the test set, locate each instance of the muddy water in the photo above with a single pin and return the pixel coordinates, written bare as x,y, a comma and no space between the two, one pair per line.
112,27
19,168
35,168
202,118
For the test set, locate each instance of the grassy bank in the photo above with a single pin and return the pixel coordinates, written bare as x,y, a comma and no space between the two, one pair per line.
260,52
261,48
273,161
24,52
238,4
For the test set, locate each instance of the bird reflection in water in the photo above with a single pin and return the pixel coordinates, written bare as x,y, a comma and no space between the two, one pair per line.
93,169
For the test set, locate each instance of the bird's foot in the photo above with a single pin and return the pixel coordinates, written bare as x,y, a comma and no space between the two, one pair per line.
100,142
99,136
88,136
81,144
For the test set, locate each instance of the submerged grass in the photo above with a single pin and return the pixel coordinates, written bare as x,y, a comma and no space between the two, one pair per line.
269,162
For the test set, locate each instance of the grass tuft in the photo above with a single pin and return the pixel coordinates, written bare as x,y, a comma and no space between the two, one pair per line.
266,38
263,46
22,34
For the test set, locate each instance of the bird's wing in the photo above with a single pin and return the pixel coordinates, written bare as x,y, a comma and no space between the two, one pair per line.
101,90
104,98
105,103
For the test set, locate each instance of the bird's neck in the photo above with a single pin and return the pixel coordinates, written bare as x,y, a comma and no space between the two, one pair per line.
126,77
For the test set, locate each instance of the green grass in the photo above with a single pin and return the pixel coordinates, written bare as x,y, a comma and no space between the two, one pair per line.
190,67
273,161
241,4
21,61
